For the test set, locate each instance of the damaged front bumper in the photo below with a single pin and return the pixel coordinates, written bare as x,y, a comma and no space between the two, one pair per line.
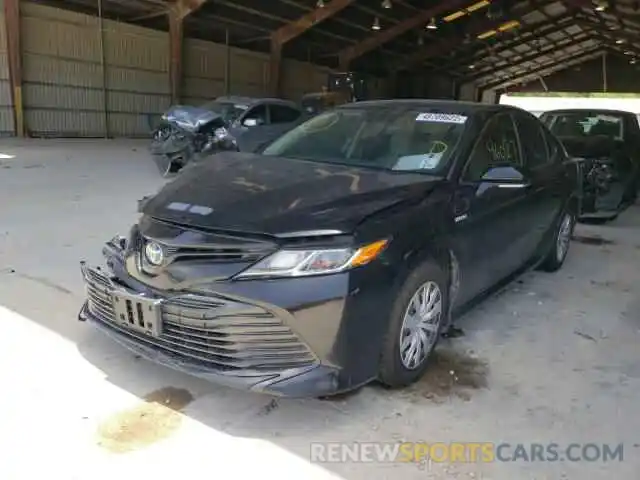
227,341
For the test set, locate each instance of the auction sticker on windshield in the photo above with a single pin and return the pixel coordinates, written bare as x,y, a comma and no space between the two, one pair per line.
441,118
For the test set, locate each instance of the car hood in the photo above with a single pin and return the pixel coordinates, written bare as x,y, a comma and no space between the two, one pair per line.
189,118
246,192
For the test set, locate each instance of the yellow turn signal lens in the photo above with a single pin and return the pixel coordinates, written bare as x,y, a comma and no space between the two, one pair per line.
368,253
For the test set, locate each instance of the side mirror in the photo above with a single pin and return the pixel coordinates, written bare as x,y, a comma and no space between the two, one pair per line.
503,175
250,122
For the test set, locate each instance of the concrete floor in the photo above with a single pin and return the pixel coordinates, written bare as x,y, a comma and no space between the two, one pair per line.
552,359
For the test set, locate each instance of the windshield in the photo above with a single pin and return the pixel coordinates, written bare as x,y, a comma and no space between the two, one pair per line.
403,140
585,124
227,110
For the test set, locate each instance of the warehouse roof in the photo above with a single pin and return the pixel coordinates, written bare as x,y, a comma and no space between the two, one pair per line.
497,44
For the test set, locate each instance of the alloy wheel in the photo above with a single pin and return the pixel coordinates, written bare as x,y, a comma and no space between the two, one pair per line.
564,237
420,325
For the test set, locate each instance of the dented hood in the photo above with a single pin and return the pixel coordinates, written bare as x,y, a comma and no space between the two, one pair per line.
189,118
253,193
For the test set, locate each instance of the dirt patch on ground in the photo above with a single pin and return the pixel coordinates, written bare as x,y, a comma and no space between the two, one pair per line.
155,419
451,374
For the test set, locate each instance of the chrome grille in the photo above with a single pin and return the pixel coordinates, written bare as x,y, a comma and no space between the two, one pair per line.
247,253
222,334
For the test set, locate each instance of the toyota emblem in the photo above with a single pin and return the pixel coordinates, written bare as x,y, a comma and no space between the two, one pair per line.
154,253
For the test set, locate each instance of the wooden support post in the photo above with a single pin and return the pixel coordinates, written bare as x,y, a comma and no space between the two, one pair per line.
175,54
12,27
227,63
275,67
294,29
604,73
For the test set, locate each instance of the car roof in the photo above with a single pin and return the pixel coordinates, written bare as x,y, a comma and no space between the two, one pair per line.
590,110
250,101
469,108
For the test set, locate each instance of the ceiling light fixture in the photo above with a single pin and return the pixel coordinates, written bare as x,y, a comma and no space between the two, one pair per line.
432,25
509,25
387,4
471,67
619,41
600,6
478,6
633,61
376,24
466,11
320,4
487,34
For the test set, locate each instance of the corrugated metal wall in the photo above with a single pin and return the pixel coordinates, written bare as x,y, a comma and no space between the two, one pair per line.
66,90
204,73
67,93
137,77
6,116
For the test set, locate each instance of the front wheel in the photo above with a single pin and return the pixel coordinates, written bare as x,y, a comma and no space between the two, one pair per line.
562,239
415,326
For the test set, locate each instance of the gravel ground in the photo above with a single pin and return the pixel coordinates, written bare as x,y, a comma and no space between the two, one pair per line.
552,359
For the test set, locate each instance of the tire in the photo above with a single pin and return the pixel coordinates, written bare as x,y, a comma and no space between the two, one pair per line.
558,252
393,371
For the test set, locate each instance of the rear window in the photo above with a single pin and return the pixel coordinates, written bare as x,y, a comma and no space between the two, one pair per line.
383,138
585,124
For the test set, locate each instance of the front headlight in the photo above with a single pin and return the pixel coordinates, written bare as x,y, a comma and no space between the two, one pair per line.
221,133
301,263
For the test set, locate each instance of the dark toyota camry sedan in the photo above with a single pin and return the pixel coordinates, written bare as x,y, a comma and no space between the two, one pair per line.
339,254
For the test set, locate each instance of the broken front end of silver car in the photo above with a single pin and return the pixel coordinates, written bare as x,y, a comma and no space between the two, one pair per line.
187,134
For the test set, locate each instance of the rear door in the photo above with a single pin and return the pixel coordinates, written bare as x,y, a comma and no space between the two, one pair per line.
547,176
491,216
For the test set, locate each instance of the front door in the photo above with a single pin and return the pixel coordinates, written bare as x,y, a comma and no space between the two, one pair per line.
490,215
546,172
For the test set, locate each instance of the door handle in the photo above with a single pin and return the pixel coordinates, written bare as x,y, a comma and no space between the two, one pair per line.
461,205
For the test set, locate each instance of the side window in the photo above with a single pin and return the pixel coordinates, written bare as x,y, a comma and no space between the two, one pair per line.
498,146
533,140
283,114
256,116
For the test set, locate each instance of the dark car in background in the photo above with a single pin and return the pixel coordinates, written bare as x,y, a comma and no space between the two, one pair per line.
187,134
606,147
340,253
254,121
